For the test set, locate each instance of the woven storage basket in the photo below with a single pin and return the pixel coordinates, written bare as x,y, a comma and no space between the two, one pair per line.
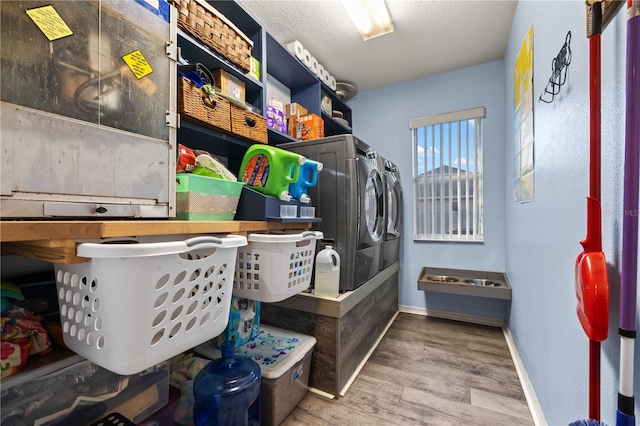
200,19
248,125
192,107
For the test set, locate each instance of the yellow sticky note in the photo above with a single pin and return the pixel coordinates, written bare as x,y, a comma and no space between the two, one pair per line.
49,22
138,64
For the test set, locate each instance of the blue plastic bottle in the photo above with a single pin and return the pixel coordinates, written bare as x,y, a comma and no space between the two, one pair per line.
307,178
227,391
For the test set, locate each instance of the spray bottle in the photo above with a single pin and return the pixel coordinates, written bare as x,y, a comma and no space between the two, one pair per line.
308,178
327,278
270,170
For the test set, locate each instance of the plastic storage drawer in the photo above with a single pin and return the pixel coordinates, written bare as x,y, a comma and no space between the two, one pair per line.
83,393
140,302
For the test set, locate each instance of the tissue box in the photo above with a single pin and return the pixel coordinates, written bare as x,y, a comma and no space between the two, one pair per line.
229,84
276,119
294,110
307,127
244,322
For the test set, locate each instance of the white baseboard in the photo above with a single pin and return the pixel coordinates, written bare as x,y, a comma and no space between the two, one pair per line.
527,387
455,316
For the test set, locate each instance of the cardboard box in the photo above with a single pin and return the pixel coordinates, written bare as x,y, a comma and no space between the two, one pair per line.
229,84
307,127
294,110
244,322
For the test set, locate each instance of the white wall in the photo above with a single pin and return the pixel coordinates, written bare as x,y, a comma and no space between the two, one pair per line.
381,118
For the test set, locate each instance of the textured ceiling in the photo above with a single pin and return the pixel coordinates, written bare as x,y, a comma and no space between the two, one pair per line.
429,37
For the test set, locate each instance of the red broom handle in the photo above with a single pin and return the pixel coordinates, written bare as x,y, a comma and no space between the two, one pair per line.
594,114
594,380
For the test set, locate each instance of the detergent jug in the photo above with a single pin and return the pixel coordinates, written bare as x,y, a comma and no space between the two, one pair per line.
307,178
270,170
327,278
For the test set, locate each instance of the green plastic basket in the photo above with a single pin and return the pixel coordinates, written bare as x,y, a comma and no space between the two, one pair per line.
206,198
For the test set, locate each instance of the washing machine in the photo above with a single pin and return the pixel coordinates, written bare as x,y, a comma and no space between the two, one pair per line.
349,198
393,213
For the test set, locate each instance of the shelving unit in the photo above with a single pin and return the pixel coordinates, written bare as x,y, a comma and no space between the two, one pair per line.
276,61
305,87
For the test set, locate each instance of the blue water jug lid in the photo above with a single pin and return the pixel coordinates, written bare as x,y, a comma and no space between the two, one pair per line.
227,375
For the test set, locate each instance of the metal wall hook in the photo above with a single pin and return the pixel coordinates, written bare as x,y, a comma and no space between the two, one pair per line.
559,70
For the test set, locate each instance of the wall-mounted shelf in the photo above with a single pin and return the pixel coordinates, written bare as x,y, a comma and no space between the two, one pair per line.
55,241
489,284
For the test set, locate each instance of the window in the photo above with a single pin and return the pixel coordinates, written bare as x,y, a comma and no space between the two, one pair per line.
447,176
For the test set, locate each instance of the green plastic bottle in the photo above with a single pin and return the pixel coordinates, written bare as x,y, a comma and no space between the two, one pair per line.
270,170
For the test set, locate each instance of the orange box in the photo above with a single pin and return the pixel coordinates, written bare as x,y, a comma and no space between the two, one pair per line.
306,127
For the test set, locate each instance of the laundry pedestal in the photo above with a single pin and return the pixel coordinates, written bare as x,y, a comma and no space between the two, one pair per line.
345,327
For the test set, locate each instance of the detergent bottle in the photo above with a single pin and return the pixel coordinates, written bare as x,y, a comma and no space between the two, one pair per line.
307,178
270,170
327,278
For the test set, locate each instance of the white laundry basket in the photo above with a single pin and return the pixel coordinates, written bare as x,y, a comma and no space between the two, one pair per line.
137,303
272,268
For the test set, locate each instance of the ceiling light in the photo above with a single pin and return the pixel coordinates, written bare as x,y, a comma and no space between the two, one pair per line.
370,17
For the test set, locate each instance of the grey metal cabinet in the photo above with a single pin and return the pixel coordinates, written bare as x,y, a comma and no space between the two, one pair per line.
88,109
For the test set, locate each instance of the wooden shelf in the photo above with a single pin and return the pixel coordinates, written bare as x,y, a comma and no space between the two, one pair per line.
55,241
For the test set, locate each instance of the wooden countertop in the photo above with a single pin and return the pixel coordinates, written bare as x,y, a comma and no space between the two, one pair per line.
55,241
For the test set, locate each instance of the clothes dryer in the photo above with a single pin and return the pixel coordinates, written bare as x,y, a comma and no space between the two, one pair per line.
393,212
349,198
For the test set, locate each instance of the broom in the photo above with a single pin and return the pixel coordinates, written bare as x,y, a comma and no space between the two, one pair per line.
592,287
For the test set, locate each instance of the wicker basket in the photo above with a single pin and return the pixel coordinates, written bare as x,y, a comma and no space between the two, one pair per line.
248,125
201,20
192,107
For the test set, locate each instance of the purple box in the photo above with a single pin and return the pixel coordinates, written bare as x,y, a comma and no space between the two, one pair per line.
276,119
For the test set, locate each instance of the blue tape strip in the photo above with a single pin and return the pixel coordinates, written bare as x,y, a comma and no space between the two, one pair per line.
162,10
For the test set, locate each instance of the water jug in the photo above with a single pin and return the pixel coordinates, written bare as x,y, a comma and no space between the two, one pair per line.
270,170
227,391
307,178
327,278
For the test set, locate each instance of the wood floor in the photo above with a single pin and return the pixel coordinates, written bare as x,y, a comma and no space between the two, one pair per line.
427,371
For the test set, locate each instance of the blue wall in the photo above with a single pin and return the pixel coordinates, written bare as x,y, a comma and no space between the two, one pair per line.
535,243
381,118
543,236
